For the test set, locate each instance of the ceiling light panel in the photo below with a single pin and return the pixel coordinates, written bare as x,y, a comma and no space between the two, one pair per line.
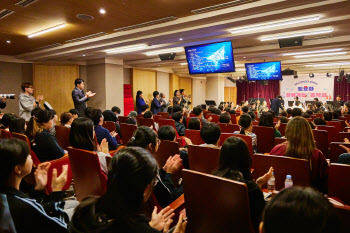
126,49
296,34
163,51
47,30
314,51
273,24
329,64
320,54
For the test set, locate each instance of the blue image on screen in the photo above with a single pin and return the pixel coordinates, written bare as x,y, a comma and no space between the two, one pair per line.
210,58
264,71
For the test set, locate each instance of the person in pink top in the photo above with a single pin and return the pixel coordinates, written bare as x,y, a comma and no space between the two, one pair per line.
301,144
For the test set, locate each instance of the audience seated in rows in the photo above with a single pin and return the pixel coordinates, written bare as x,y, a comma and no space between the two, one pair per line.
266,120
210,133
225,118
180,127
17,125
131,121
109,115
319,121
194,124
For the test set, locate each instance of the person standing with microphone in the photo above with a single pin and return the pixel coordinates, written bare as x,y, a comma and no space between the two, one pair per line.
79,97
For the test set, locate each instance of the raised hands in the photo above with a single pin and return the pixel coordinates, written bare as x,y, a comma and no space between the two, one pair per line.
39,98
59,182
173,164
114,134
181,225
103,147
162,220
40,175
263,179
89,94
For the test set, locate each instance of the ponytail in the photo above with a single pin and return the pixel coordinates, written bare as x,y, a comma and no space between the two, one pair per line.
142,137
242,131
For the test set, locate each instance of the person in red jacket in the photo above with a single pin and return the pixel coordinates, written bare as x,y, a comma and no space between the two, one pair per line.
301,144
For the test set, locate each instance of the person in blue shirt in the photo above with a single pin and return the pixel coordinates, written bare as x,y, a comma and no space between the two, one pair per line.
140,101
101,133
156,105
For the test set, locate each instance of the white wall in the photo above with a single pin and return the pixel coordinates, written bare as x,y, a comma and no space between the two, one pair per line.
215,88
199,89
127,75
163,84
228,83
114,87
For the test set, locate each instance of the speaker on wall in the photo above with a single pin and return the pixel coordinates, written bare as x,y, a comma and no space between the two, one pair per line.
167,56
290,42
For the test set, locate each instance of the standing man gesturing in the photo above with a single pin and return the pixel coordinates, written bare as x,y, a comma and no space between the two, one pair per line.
79,97
27,102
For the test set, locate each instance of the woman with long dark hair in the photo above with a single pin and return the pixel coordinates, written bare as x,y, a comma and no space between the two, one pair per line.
131,177
140,101
81,136
17,125
266,119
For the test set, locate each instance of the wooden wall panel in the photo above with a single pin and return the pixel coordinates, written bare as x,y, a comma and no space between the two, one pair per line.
186,83
231,95
145,81
55,83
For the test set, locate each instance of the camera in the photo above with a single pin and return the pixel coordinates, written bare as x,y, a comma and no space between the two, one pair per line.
8,96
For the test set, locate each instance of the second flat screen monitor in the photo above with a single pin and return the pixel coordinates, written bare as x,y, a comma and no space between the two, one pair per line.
264,71
210,58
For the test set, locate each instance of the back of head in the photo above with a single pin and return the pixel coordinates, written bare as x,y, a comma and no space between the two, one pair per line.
88,111
175,92
227,109
148,115
194,124
96,116
318,104
337,111
155,93
234,155
284,120
252,115
327,116
319,121
65,118
167,132
197,110
81,134
12,152
109,115
245,122
170,110
266,119
73,112
225,118
177,116
289,111
233,112
296,112
347,104
210,133
301,210
217,112
131,121
6,119
143,137
144,107
272,113
310,112
35,126
305,115
177,108
245,109
284,114
35,111
116,109
17,125
300,139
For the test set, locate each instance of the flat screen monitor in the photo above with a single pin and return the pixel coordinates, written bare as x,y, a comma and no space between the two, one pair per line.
210,58
264,71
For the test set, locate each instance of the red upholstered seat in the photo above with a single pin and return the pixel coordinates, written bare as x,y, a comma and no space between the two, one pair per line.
23,137
122,119
127,132
332,134
282,129
57,164
344,215
203,159
146,122
246,138
156,118
62,136
336,124
170,122
229,128
265,138
215,118
195,136
165,150
320,115
223,206
110,125
283,166
163,114
339,182
89,180
279,141
343,135
233,119
4,134
321,139
336,150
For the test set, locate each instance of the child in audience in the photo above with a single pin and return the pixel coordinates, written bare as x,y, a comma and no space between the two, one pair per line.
132,175
225,118
266,120
164,190
81,136
235,163
44,144
301,210
194,124
17,125
29,215
210,133
245,121
301,144
131,121
102,133
180,127
66,119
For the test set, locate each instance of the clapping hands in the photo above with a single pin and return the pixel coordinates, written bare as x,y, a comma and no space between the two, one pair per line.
90,94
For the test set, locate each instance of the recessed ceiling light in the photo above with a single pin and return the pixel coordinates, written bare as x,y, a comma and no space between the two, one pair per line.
314,51
8,41
320,54
84,55
102,11
274,24
296,34
180,39
183,64
163,51
47,30
126,49
244,57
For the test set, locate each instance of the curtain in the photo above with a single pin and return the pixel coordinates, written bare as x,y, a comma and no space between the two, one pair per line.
246,90
341,88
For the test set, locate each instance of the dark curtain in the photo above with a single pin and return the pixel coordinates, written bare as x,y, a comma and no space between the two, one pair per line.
341,88
247,90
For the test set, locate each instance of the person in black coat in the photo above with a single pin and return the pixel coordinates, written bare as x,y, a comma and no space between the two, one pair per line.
79,97
156,104
2,102
276,104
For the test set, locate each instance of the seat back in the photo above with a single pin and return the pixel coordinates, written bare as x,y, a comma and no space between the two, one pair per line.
344,215
337,125
321,139
265,138
283,166
170,122
138,117
279,141
229,128
203,159
4,134
223,206
164,115
332,134
339,182
62,136
23,137
215,118
336,150
122,119
233,118
88,177
156,118
282,129
57,164
246,138
195,136
109,125
146,122
127,131
320,115
166,149
343,135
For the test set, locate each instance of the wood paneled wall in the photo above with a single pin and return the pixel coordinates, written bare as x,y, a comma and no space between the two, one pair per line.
145,81
55,83
173,84
186,83
231,95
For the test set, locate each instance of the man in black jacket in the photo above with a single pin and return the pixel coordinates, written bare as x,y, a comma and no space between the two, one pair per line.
2,102
79,97
276,104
